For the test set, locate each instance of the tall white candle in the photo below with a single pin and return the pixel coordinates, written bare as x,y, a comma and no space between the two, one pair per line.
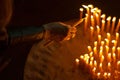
117,27
113,24
108,23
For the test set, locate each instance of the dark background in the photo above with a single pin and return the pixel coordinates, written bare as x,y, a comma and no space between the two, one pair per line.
38,12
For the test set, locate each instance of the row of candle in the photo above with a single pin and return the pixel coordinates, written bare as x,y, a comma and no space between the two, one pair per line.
103,58
93,18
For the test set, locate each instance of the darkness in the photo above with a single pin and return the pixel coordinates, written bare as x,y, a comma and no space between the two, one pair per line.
38,12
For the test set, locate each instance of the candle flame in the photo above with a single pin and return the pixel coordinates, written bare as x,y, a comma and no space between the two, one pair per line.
85,6
81,9
108,18
103,16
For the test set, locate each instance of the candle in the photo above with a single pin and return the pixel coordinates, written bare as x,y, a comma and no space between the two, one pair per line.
117,37
109,75
81,13
118,65
108,36
100,66
103,25
95,63
97,19
95,50
117,27
98,75
102,43
92,21
118,52
98,30
103,17
95,43
92,58
113,24
109,66
93,70
107,50
99,39
108,23
91,54
85,23
89,48
109,57
91,64
102,59
77,61
107,42
100,53
114,42
114,57
91,33
101,48
105,75
113,49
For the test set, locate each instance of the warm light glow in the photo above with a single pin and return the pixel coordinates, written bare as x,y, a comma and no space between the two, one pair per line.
90,6
95,43
81,9
89,48
77,61
85,6
95,63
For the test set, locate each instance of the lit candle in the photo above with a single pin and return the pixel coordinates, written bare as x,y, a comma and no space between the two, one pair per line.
117,27
77,61
95,50
103,25
102,43
109,66
89,48
118,52
91,33
101,48
97,19
100,53
93,70
98,75
85,23
91,64
82,57
108,36
108,23
98,30
117,37
113,49
100,66
114,57
114,42
102,59
95,63
103,16
95,43
92,58
105,75
109,57
107,42
99,38
92,21
81,13
109,75
113,24
107,50
118,65
91,54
